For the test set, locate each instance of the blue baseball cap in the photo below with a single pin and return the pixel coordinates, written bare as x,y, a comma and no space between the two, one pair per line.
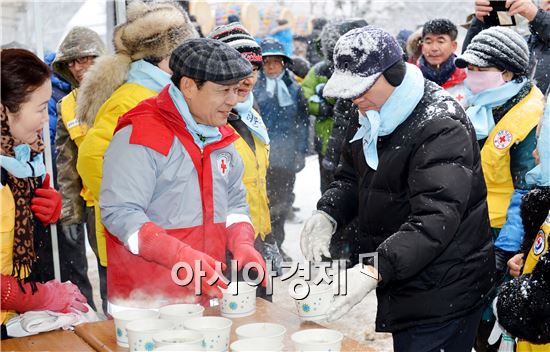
360,57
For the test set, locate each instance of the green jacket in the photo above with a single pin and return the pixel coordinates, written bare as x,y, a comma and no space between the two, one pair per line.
318,74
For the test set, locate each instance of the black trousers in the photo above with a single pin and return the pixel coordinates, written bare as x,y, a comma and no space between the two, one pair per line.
74,264
456,335
102,270
280,183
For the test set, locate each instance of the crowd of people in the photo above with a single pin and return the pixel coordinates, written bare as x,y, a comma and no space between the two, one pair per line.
183,148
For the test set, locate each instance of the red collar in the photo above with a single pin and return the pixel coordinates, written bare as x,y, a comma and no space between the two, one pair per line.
458,76
156,121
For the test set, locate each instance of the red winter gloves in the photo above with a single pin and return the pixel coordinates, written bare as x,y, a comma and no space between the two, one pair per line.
159,247
240,242
46,204
53,295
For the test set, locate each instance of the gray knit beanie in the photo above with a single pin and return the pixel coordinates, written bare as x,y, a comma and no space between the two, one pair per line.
498,47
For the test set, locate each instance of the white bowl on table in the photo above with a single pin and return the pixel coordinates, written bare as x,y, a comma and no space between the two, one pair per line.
270,331
176,348
141,332
315,304
257,344
179,313
123,317
216,331
239,300
317,340
187,340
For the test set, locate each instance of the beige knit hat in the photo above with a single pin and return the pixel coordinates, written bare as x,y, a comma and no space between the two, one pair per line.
152,31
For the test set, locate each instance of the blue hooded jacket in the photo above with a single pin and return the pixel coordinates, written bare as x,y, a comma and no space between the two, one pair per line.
287,126
60,88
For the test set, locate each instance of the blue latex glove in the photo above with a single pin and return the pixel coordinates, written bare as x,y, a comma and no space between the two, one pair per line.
21,166
540,174
511,234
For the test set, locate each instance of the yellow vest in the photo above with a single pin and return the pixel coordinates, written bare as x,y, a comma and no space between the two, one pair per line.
255,169
513,128
94,145
540,246
77,132
6,244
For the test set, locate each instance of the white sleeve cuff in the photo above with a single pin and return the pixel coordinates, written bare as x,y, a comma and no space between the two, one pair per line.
235,218
133,243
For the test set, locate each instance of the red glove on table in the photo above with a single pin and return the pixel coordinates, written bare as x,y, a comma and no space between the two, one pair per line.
240,242
46,204
159,247
53,295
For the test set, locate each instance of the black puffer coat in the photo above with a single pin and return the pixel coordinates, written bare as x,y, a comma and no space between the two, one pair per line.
424,211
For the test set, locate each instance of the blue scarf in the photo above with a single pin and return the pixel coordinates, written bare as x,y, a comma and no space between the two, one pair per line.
251,118
540,174
202,134
148,75
441,75
283,95
395,110
481,107
21,166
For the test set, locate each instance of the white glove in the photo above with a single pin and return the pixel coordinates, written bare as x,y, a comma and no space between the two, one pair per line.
507,342
359,283
316,235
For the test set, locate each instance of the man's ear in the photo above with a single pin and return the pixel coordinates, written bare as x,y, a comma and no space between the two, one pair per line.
455,45
187,86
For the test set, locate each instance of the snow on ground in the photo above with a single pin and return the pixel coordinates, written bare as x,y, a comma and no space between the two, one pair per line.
359,322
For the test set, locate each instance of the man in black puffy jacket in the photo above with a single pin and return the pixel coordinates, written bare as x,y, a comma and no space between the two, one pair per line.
412,175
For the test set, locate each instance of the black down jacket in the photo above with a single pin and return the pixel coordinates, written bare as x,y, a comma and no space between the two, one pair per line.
424,212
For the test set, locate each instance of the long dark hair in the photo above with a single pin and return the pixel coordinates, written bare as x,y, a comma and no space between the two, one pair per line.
22,73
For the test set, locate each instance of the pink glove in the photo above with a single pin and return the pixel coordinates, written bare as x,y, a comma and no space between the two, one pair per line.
46,204
159,247
240,242
53,295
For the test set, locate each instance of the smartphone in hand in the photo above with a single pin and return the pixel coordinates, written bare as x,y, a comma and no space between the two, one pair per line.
499,15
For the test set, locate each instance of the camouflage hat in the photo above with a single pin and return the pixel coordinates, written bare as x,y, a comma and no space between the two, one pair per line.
79,42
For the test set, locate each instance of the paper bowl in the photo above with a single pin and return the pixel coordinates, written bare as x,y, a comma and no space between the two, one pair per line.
239,300
141,332
176,348
316,304
257,344
123,317
269,331
317,340
178,313
216,331
188,340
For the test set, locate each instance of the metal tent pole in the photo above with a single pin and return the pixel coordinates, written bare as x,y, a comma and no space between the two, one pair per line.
46,136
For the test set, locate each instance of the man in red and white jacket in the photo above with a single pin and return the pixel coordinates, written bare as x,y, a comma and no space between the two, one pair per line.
437,62
172,186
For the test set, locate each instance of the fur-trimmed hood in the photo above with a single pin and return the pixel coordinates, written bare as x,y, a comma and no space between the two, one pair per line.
414,45
153,31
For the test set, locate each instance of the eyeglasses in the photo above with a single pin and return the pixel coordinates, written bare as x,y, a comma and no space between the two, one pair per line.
80,60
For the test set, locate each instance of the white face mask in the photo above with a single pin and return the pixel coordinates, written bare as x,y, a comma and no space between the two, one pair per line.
479,81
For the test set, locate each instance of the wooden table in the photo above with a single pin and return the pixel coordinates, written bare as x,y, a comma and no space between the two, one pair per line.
48,341
101,335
